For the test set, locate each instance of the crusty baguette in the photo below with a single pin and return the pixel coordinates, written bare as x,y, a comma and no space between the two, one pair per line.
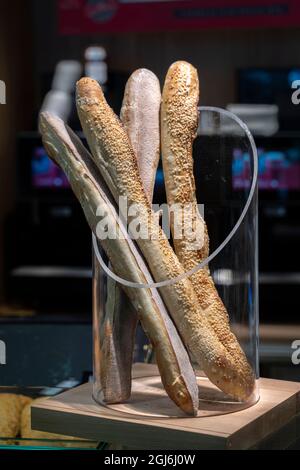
140,117
117,340
179,122
115,158
114,337
176,371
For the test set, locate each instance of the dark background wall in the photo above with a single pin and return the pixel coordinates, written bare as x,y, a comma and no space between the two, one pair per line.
17,73
216,53
30,47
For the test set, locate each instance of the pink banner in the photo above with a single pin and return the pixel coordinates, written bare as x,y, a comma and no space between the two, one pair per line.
96,16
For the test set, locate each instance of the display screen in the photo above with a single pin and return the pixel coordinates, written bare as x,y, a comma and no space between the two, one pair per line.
271,86
44,173
277,169
266,86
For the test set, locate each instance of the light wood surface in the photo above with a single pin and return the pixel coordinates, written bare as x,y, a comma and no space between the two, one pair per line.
149,400
75,413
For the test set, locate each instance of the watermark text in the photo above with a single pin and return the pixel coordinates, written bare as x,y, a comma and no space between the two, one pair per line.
184,221
2,353
296,93
296,353
2,92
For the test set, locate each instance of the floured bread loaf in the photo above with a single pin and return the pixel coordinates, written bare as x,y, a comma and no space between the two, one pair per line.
140,115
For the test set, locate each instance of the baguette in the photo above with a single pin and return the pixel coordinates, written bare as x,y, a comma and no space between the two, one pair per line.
117,340
140,117
115,158
173,362
179,123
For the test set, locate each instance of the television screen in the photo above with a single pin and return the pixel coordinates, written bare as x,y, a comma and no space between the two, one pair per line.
44,173
278,169
271,86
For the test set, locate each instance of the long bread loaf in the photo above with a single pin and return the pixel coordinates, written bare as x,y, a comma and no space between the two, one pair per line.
140,116
115,158
176,371
179,123
116,340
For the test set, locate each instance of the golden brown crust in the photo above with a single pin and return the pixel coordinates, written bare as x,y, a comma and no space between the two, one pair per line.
173,362
11,406
114,157
179,122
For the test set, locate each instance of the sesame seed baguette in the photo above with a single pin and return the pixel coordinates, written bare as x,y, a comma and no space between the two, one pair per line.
115,158
140,117
179,123
173,362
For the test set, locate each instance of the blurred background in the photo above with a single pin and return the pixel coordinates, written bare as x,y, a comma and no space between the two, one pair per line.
248,60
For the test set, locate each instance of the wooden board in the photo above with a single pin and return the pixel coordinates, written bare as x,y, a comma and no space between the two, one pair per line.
149,400
76,413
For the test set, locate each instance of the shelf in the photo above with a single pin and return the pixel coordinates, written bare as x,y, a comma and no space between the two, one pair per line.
70,272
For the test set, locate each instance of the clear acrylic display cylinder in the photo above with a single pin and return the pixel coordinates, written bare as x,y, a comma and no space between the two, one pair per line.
225,170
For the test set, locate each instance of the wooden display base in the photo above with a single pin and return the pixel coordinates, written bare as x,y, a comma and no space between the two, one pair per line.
75,413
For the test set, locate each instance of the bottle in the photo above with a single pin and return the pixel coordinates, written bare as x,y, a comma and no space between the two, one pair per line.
96,66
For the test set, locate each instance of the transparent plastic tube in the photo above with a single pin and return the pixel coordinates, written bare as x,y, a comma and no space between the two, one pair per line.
225,170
